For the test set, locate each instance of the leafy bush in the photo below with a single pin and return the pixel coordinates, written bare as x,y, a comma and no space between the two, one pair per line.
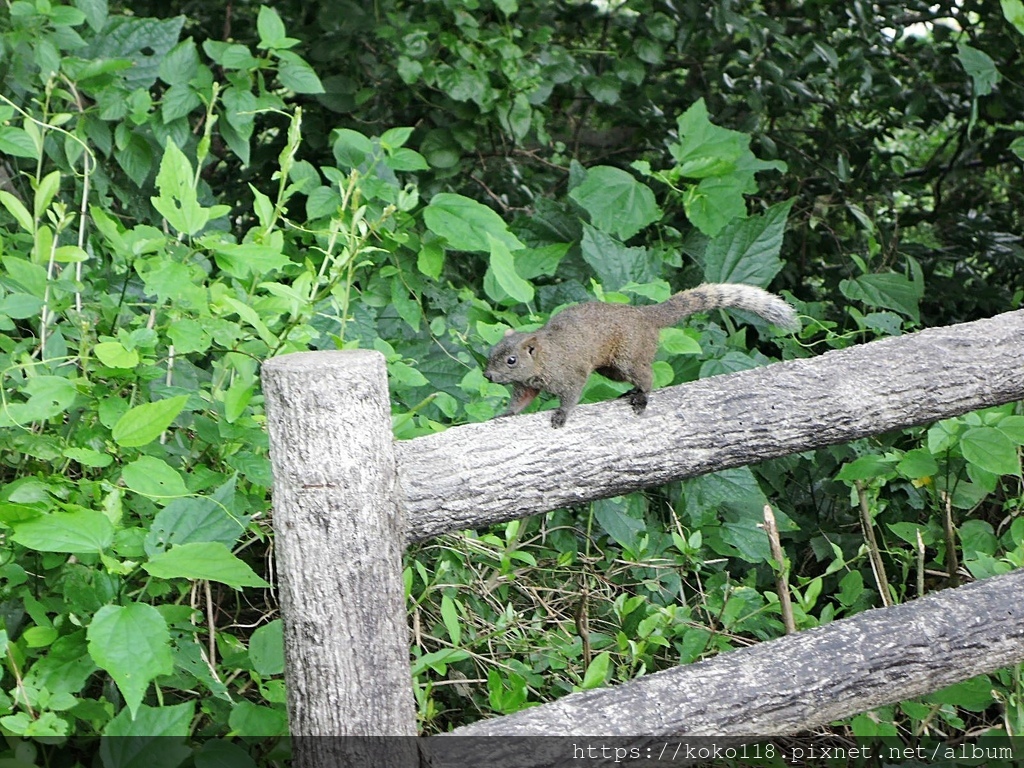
175,210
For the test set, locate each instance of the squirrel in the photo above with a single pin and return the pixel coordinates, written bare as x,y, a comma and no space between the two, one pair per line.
616,340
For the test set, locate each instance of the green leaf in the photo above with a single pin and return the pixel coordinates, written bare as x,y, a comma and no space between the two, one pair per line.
236,400
430,259
866,468
16,142
136,159
266,649
65,668
188,336
597,672
67,254
917,463
153,477
722,160
245,259
615,264
977,538
114,355
49,396
606,88
517,117
450,617
617,202
270,27
408,69
208,560
45,192
77,532
889,290
171,281
408,308
705,149
747,251
178,202
44,725
649,51
393,138
747,538
465,84
252,317
20,213
29,277
466,224
195,519
503,268
19,306
249,720
65,16
991,450
323,201
534,262
980,66
153,738
144,423
909,532
1013,10
441,149
234,56
1012,427
297,75
613,516
95,12
438,660
677,341
405,159
974,695
351,148
217,753
132,643
177,102
13,513
87,457
180,65
404,375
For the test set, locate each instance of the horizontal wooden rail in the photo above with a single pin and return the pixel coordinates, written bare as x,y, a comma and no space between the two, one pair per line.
792,684
478,474
347,497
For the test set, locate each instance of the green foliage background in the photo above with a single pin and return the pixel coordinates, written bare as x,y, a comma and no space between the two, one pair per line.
189,189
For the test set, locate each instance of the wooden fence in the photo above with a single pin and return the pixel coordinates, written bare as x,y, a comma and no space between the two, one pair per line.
347,499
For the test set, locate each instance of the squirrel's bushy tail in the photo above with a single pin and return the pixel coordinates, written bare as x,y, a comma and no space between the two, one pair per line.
710,296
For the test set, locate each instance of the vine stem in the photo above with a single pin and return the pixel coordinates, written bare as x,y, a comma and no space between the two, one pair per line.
873,553
782,574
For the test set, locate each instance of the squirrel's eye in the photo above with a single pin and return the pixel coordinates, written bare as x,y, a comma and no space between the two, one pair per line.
511,360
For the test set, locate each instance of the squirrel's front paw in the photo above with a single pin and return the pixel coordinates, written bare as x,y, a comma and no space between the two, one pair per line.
558,418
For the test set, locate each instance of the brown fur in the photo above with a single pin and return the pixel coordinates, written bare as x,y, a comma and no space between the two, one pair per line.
616,340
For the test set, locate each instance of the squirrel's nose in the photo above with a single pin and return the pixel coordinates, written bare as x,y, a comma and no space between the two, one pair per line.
489,376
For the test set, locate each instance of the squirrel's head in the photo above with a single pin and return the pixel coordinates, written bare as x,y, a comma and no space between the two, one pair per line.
513,358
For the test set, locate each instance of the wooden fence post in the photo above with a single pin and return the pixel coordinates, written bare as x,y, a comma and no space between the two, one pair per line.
339,536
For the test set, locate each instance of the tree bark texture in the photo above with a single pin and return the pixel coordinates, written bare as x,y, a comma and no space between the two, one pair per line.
792,684
479,474
339,536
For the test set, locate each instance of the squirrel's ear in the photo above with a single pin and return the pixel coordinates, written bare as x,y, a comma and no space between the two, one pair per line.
509,332
529,344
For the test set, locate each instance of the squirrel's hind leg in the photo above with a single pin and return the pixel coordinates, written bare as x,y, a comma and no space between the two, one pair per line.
637,399
642,379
